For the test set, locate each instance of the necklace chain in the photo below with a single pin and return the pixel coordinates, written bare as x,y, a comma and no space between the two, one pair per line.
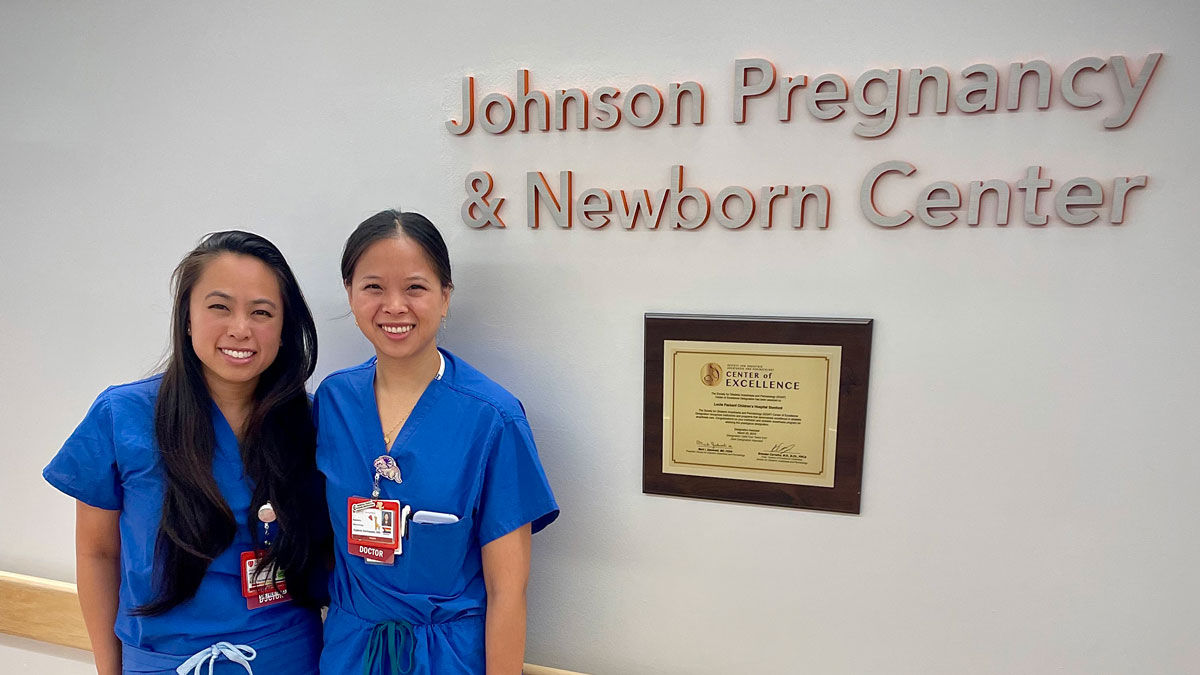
390,436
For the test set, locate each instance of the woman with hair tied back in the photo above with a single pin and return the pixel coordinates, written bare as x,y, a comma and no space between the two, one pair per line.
201,545
432,479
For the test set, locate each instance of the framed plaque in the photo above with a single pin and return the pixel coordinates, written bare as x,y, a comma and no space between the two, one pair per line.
760,410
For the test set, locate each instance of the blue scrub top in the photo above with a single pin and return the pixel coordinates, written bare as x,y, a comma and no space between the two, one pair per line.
111,462
466,449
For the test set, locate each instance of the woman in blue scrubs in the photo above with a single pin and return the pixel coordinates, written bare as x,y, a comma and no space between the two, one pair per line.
190,480
433,481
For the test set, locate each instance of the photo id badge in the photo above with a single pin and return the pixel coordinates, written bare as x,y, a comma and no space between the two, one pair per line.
374,528
261,586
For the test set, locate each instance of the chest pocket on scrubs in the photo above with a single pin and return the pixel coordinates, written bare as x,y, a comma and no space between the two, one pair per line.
439,556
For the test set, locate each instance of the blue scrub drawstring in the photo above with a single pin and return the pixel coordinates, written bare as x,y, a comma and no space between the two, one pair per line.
239,654
390,637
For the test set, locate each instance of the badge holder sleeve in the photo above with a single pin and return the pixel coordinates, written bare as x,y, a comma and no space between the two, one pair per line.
375,528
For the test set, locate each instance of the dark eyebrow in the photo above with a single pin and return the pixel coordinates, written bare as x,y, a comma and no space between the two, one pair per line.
225,296
411,277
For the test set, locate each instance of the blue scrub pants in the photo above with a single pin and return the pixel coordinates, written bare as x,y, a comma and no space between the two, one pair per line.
450,648
295,650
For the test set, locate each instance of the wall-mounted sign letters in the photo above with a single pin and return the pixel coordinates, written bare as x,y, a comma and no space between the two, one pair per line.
877,96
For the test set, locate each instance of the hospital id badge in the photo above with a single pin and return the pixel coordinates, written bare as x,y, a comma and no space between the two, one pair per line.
262,586
374,528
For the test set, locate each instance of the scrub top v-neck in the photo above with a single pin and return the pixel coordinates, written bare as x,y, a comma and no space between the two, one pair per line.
466,450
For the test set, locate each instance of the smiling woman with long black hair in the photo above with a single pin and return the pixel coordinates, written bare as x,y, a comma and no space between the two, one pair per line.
192,485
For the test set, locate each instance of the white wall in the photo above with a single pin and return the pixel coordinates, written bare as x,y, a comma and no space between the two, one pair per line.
1028,495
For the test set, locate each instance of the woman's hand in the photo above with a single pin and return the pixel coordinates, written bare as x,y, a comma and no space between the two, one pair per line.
98,575
506,575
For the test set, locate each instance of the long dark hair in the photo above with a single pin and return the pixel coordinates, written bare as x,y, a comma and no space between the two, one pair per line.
389,225
278,447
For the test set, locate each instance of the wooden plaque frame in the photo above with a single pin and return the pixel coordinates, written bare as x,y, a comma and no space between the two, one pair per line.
854,338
